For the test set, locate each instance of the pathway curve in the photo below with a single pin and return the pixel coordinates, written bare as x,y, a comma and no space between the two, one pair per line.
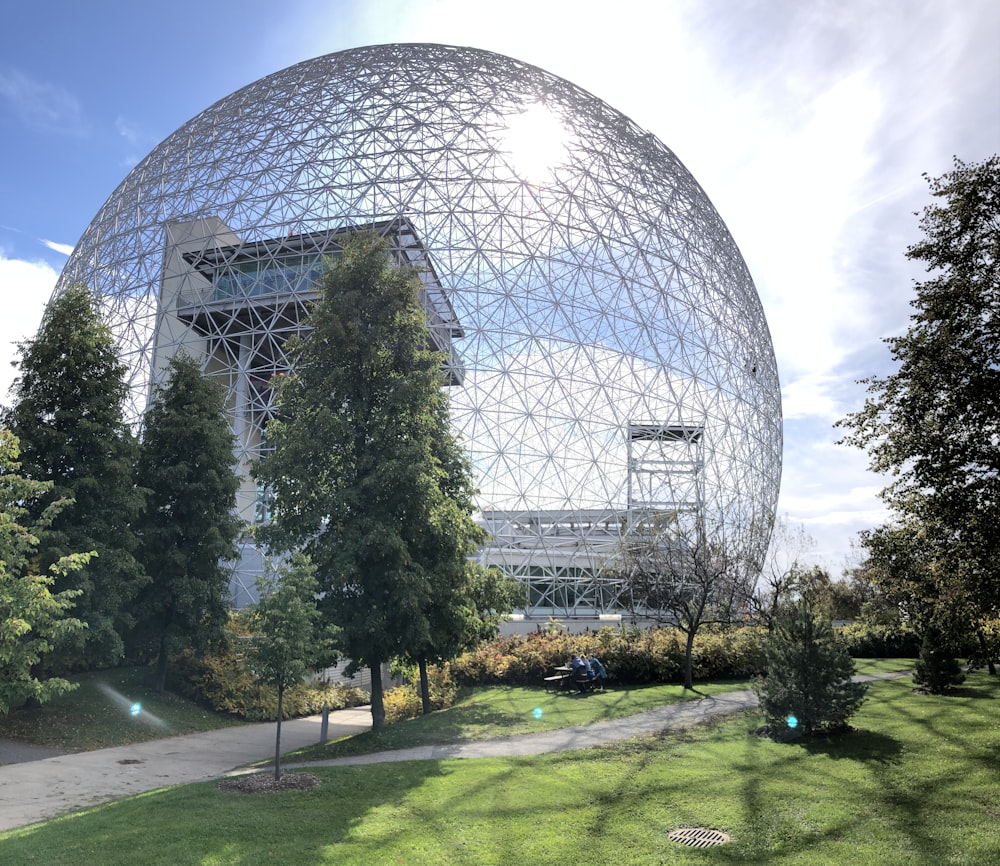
41,789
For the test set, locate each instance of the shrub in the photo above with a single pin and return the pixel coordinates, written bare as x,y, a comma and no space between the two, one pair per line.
222,682
631,655
403,702
937,669
808,685
879,641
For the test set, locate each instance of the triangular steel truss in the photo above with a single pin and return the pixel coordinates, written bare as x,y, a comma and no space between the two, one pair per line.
590,283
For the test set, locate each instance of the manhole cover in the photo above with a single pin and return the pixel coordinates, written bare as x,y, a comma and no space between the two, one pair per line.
698,837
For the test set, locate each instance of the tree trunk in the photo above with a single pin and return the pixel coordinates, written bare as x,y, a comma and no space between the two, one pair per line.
986,654
425,688
378,707
161,666
277,737
688,665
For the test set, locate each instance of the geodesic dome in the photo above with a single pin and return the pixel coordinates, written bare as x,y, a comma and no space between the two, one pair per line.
610,352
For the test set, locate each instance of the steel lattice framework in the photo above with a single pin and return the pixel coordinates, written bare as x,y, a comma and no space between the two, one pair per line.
611,355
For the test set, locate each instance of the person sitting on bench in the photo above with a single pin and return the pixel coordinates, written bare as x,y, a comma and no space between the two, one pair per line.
599,672
582,674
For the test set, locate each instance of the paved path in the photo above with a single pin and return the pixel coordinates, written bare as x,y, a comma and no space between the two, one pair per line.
672,717
38,790
42,789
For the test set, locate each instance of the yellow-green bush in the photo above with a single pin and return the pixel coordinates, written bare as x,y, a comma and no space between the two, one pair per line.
404,702
631,655
868,641
221,681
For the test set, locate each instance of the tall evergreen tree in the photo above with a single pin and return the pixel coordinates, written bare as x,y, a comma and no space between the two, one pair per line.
68,414
188,529
367,475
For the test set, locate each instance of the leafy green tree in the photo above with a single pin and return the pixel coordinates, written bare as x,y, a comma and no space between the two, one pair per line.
33,618
464,613
68,414
287,639
367,475
934,424
188,529
808,685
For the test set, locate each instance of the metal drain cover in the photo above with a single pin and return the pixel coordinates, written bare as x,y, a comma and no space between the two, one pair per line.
699,837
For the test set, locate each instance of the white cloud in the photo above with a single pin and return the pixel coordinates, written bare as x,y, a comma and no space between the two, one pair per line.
127,130
43,106
25,288
65,249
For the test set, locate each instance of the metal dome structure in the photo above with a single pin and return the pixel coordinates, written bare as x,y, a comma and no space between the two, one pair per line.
609,353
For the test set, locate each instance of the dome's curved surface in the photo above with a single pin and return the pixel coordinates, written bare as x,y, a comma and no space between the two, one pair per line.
612,349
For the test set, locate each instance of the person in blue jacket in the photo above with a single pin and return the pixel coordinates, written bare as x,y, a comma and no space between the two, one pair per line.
599,672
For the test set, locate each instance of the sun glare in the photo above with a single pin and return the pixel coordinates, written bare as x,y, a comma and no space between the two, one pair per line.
535,141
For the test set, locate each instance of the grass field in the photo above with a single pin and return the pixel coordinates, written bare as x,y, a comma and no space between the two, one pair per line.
918,782
96,714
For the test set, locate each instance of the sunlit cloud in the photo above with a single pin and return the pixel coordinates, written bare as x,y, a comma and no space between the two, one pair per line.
25,288
64,249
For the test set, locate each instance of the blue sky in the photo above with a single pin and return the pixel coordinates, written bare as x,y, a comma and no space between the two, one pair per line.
809,123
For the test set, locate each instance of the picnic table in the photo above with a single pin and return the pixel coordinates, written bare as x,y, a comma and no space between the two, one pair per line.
564,678
561,677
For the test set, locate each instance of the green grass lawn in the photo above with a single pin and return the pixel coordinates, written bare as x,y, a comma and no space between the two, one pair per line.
509,711
96,714
917,782
504,711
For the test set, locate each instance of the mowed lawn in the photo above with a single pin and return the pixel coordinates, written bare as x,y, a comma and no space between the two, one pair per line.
918,782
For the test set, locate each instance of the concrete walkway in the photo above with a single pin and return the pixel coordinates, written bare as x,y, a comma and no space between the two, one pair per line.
43,789
672,717
38,790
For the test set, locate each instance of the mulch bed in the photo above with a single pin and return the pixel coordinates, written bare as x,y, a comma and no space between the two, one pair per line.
264,783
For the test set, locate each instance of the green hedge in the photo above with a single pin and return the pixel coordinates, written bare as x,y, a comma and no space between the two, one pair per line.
879,641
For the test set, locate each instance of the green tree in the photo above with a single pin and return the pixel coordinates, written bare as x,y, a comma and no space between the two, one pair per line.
33,618
188,529
367,476
68,414
287,640
934,424
937,669
464,612
808,685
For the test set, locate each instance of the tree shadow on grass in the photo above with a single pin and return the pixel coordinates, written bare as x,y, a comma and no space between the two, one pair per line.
962,692
868,747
